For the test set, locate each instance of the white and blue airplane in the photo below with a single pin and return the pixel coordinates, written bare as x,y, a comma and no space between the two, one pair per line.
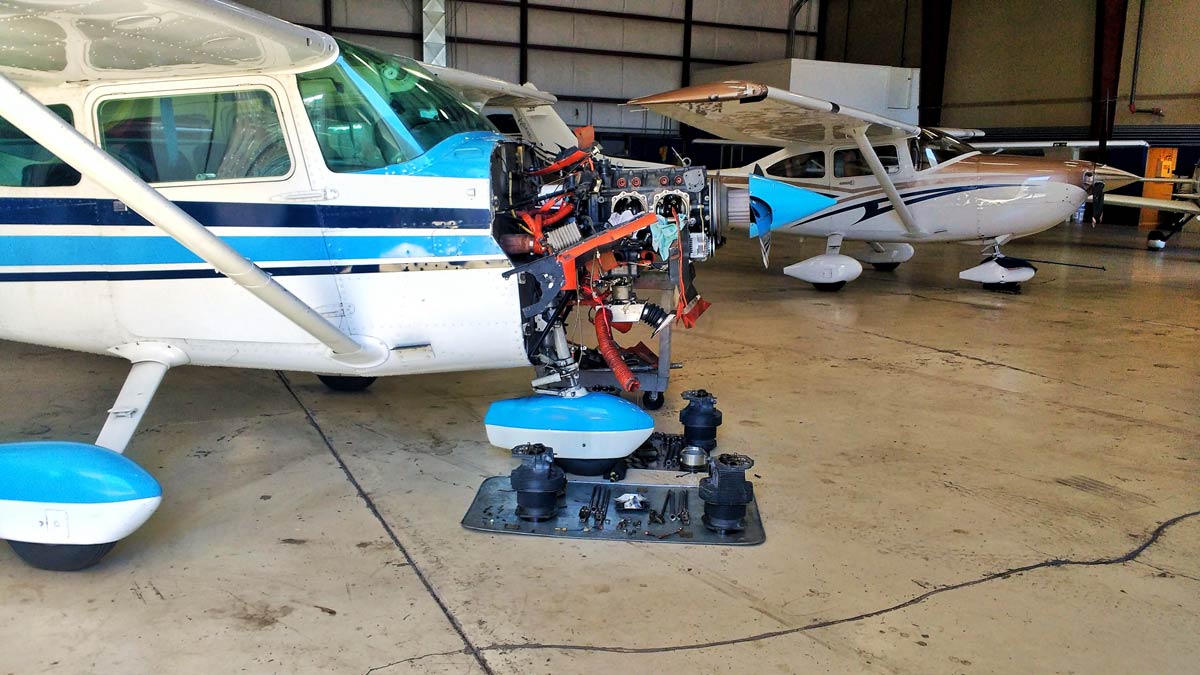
198,183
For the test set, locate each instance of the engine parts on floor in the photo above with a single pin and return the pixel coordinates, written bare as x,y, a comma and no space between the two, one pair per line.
537,482
727,493
494,511
700,419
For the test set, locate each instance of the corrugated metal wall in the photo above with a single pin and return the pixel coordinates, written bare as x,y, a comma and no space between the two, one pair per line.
591,53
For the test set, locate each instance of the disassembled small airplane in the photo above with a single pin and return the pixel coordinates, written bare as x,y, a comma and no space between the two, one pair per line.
316,206
887,183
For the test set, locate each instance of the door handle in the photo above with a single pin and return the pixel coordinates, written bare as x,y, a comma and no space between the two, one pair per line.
307,196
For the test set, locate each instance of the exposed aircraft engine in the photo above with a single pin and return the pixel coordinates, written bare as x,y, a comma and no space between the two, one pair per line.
618,244
583,233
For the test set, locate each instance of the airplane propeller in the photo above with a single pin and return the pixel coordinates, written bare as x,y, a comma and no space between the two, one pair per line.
1098,201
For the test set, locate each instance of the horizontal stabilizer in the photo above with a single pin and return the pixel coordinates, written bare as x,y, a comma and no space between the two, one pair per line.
774,204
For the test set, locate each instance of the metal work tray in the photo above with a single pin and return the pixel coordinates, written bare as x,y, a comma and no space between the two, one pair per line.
494,510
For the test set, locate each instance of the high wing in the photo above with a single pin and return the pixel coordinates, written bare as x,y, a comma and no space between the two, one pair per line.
482,90
1170,205
747,111
1034,145
52,42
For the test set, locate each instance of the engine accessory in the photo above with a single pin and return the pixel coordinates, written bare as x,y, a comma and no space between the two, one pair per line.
693,459
726,492
537,482
700,419
656,317
631,501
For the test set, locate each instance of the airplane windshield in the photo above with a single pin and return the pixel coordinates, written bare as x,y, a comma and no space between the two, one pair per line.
931,149
371,110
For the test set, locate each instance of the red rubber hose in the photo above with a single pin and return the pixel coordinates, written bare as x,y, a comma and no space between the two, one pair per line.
612,353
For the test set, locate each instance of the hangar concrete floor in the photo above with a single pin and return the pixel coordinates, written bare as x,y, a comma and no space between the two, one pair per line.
953,482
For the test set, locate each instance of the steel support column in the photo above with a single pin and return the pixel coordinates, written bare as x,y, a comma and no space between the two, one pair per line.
523,43
688,14
433,31
935,41
1106,65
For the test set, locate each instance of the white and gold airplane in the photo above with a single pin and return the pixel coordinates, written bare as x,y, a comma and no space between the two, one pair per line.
889,183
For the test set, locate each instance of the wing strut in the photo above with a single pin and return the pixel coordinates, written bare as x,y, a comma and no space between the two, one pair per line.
48,129
885,182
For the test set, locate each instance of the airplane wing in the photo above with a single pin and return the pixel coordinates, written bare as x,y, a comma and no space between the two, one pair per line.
482,90
1170,205
747,111
961,134
1034,145
52,42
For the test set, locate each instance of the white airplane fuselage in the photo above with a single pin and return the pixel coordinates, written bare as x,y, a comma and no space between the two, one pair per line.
971,197
405,256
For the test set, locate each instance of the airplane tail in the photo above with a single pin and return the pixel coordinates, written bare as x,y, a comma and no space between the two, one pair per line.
774,204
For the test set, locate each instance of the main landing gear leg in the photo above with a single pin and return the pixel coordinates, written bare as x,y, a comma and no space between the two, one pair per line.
75,501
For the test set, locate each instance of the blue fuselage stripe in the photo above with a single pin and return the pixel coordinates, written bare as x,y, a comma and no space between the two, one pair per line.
329,240
51,211
161,250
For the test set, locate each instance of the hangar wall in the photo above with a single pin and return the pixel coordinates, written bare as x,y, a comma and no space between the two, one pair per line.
593,54
1028,63
1168,77
879,32
1016,64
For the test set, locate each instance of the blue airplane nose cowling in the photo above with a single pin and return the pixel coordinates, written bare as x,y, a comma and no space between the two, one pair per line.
774,204
593,426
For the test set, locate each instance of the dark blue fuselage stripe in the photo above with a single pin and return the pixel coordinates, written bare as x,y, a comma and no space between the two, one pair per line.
877,207
145,275
51,211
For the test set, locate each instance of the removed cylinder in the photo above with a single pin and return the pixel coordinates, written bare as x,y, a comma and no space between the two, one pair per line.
537,482
726,492
700,419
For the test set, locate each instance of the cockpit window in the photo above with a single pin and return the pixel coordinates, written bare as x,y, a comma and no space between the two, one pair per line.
25,163
231,135
370,110
806,165
930,149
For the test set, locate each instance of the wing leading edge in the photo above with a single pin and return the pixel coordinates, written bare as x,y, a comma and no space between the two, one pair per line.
746,111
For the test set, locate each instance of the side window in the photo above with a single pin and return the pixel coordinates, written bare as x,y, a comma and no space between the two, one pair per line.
24,163
920,155
850,163
195,137
807,165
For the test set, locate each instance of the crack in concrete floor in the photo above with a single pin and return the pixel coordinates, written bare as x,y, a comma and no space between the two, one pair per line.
1129,556
478,652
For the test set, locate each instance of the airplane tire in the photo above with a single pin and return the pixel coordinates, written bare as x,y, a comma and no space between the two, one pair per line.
653,400
346,382
885,267
61,557
830,288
